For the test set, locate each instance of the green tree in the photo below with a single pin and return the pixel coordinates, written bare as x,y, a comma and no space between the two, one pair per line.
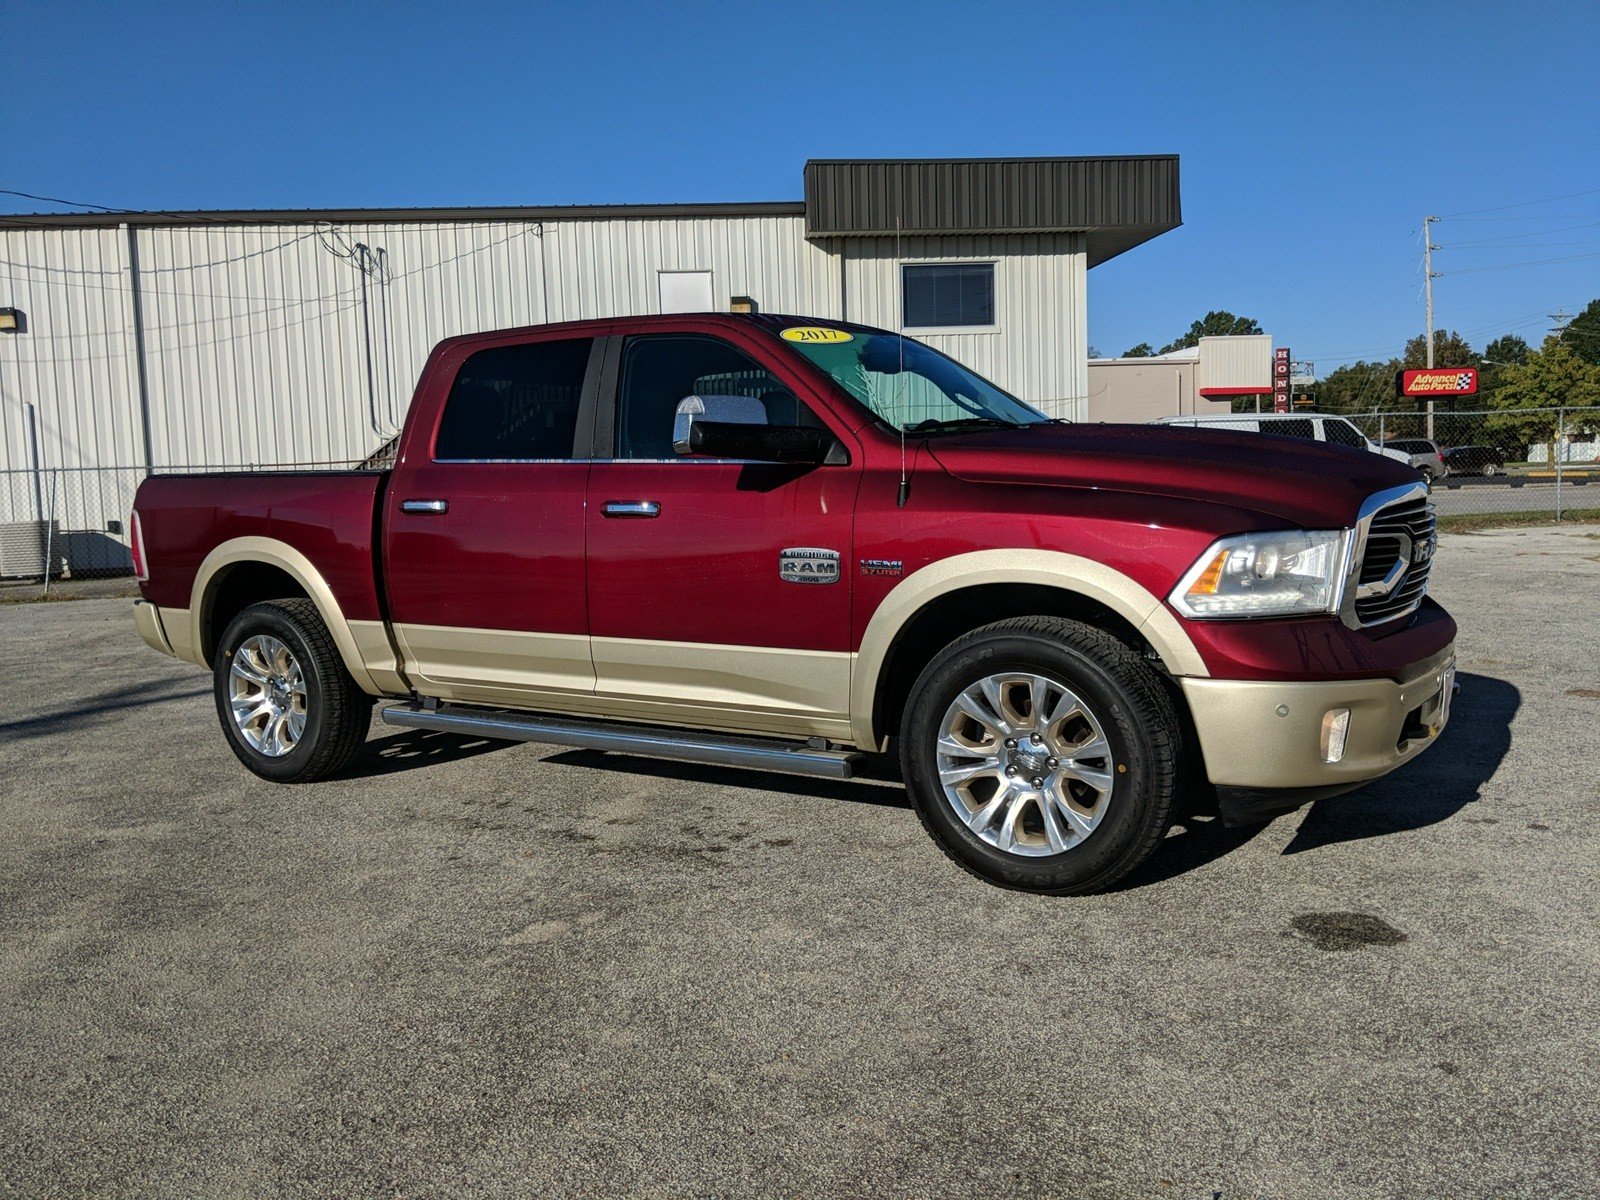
1450,349
1503,352
1507,351
1553,376
1583,334
1213,324
1357,387
1142,350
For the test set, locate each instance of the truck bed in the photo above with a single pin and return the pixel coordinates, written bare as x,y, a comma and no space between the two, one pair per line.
328,516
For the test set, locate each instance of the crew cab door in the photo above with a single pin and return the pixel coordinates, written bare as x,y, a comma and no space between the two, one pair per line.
695,619
483,525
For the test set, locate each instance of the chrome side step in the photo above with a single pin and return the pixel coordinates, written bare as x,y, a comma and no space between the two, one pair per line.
727,750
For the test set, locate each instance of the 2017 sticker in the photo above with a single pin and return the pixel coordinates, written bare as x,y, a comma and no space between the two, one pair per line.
815,334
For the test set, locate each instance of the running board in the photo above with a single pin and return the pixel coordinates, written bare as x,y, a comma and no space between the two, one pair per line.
725,750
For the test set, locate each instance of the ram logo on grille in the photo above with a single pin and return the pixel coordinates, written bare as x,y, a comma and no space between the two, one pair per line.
1399,553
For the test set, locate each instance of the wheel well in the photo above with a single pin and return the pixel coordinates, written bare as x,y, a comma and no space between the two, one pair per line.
235,588
941,621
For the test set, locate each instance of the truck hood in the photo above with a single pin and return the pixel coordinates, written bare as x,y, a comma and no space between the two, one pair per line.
1310,484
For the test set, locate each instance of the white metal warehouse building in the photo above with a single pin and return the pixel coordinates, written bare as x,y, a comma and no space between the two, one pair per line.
152,341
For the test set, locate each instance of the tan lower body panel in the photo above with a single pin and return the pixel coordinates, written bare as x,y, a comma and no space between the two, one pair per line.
378,656
751,689
179,624
493,665
1269,735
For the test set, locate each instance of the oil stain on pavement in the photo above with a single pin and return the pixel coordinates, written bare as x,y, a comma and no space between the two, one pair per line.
1345,930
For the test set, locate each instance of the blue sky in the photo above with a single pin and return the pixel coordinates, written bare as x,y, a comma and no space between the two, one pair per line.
1313,137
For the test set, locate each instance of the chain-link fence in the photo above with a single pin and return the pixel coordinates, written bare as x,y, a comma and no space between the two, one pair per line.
1526,462
67,523
71,523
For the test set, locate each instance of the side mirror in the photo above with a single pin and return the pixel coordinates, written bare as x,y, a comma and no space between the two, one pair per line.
736,427
722,410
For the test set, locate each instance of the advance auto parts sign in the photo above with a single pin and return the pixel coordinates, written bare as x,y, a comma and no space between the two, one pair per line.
1440,381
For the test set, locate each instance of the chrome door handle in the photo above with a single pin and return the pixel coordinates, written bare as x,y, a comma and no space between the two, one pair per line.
424,506
631,508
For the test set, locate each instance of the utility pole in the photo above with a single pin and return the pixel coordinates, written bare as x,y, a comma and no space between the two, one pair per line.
1427,275
1561,317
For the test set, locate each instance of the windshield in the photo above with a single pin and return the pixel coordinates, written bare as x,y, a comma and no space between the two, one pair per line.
906,384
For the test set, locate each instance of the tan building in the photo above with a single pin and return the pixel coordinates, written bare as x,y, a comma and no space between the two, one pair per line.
1201,379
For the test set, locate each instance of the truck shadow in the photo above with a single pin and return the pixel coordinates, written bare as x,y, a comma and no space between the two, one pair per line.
412,749
1429,789
1432,787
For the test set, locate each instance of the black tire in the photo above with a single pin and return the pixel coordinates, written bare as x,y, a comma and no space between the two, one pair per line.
337,712
1133,709
1490,470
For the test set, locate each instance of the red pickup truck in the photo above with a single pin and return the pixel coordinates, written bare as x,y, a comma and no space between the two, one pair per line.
790,543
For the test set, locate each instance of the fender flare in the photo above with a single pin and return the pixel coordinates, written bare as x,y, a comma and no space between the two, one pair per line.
1048,568
298,567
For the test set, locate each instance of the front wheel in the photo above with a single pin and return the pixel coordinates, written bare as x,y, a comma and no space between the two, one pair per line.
289,709
1041,754
1490,471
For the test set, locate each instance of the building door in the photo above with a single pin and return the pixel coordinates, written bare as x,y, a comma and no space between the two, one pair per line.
693,615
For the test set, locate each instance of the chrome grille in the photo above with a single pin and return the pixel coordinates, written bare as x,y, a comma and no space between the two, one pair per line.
1391,539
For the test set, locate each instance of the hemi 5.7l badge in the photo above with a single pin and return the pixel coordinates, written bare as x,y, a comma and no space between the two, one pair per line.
808,564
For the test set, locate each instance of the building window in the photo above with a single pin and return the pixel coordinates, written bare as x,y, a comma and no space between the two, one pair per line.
948,295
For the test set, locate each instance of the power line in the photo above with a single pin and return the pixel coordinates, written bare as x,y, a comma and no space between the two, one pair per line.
59,200
1534,262
1472,212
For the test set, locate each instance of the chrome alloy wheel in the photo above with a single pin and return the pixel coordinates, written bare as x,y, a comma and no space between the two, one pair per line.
267,694
1025,764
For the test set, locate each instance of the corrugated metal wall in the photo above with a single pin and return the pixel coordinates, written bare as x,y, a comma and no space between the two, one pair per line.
257,336
1039,349
75,361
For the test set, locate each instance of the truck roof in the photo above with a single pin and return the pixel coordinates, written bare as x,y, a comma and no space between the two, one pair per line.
771,322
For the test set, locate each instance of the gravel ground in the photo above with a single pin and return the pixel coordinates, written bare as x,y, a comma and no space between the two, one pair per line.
478,969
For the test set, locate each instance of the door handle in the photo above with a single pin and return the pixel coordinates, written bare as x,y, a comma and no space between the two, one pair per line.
631,508
424,506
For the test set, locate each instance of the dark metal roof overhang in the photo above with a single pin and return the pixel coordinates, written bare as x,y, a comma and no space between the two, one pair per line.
1117,203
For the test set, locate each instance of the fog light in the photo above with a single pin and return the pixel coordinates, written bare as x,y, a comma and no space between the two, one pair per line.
1335,728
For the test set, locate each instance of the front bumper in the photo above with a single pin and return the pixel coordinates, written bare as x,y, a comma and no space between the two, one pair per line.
1258,736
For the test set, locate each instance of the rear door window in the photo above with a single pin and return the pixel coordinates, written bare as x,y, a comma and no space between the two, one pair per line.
515,403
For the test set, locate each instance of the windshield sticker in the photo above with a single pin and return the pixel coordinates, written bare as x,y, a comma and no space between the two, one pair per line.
816,333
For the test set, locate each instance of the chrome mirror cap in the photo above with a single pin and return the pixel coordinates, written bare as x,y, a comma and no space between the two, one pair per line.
726,410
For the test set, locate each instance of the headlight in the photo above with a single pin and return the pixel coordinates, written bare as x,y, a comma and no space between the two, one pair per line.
1283,573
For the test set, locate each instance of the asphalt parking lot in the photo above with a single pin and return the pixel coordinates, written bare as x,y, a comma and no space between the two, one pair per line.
472,968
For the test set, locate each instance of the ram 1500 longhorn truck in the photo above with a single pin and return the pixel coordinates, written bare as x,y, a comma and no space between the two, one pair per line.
789,543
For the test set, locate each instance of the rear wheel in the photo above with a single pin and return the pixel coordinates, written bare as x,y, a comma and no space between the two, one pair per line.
1041,754
289,709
